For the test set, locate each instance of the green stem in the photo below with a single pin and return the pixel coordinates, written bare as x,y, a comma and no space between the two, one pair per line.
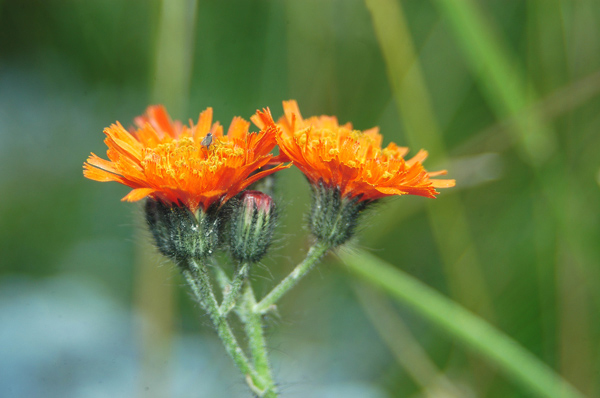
470,329
197,278
312,257
256,341
234,289
221,277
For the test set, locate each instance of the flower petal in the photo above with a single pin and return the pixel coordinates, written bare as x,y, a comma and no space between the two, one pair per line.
138,194
171,163
351,160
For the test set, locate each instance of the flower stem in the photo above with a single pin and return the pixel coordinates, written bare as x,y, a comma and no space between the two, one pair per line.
221,277
312,257
256,341
197,278
234,289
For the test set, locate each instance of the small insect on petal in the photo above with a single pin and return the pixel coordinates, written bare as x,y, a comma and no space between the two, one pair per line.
207,141
193,166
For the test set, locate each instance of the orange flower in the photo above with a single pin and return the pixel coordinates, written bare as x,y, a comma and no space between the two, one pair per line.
353,160
196,166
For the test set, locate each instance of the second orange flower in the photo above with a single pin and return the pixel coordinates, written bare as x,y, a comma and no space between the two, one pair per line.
351,160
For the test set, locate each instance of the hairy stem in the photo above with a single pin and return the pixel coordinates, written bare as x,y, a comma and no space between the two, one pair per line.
234,289
199,281
312,257
256,340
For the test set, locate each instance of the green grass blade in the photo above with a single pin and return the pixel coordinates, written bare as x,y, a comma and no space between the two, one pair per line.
503,81
462,266
463,325
174,55
403,345
155,297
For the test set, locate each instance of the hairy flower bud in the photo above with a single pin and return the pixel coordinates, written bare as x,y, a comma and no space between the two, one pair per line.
179,233
252,224
333,219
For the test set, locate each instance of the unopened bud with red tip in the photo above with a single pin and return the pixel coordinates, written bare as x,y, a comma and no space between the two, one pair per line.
252,221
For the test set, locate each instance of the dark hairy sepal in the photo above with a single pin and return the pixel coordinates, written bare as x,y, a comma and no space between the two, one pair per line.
333,218
180,234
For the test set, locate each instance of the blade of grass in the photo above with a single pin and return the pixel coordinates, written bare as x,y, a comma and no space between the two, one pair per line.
578,50
500,76
537,55
310,63
504,83
154,292
174,55
558,103
462,266
467,328
405,348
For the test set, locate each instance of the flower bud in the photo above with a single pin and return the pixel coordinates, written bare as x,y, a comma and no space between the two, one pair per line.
179,233
252,224
333,219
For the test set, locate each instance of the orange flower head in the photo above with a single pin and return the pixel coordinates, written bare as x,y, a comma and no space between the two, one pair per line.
196,165
351,160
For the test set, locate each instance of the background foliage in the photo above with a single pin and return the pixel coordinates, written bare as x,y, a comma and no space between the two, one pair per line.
502,93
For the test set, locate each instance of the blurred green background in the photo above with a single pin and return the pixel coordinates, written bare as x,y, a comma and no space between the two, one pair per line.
503,93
